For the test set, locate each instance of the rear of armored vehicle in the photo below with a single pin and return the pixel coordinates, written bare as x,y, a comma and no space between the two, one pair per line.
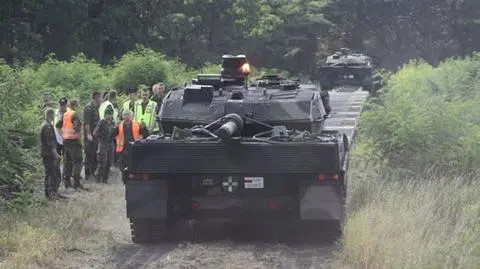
285,181
237,155
347,70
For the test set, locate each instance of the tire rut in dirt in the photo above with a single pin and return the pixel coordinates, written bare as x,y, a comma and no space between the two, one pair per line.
257,246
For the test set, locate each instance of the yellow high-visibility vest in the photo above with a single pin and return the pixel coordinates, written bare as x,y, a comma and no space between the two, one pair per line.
147,117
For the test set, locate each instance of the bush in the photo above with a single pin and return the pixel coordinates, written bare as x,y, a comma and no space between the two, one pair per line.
210,68
73,79
147,67
428,116
15,100
413,197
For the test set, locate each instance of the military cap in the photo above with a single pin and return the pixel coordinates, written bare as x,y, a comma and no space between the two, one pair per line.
63,101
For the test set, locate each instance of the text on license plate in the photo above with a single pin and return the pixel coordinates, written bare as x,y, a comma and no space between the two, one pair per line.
253,182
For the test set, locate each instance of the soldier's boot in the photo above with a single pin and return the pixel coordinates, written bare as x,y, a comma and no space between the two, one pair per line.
87,174
79,186
95,177
60,196
49,195
68,183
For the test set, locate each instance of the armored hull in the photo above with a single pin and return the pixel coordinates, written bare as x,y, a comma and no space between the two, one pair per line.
346,68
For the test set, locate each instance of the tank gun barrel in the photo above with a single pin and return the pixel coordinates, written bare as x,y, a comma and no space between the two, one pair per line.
233,123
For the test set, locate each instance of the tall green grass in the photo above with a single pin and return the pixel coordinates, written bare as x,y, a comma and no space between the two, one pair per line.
414,197
427,221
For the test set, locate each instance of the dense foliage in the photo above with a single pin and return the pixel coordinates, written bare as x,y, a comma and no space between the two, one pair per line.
414,200
15,99
428,116
286,33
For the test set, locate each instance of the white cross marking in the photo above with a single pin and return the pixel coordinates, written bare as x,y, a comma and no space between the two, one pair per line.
230,184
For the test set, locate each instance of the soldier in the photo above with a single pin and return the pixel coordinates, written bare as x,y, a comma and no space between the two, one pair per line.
50,156
110,101
58,116
90,119
145,110
127,131
104,135
71,133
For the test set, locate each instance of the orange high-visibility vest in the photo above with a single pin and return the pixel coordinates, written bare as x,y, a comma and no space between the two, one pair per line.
68,131
121,135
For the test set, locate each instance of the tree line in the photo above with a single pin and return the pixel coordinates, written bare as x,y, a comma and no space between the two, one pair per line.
294,35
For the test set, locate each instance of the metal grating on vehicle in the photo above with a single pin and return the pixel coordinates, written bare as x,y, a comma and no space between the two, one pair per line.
184,157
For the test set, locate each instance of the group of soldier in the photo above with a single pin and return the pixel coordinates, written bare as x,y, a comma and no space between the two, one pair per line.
103,135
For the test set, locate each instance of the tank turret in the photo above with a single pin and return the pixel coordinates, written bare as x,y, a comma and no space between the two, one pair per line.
274,101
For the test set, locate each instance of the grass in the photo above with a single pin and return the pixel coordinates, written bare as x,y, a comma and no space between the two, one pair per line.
423,221
414,195
46,236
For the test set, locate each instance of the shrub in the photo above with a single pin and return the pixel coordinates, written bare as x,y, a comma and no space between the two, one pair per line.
428,116
147,67
73,79
413,200
16,127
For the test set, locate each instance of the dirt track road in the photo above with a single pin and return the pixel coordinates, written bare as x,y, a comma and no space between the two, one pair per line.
218,251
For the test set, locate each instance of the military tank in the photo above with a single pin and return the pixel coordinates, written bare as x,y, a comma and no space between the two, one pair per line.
346,67
240,153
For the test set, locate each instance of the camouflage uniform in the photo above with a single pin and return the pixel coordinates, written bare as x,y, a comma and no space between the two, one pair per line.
91,117
50,162
51,159
103,133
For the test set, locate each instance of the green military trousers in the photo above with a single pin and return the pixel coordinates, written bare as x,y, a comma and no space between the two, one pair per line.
72,162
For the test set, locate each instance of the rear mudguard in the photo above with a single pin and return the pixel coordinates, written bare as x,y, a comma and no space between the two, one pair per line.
322,202
146,199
